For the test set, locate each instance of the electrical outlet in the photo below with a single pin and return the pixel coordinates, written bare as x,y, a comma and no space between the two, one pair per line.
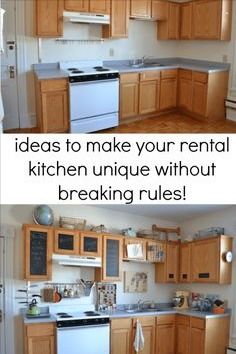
111,52
225,58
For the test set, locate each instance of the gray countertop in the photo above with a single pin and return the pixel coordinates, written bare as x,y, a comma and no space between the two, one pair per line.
53,71
123,314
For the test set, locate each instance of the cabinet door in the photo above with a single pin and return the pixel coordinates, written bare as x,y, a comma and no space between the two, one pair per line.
172,263
119,26
173,21
148,327
159,10
66,241
199,105
207,19
39,345
197,340
140,8
90,244
168,98
49,18
112,255
121,336
55,106
205,261
77,5
185,94
182,338
149,97
186,21
129,92
38,252
184,267
100,6
165,338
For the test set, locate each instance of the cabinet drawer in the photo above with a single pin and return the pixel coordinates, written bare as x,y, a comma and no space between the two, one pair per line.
150,75
185,74
145,321
200,77
197,323
53,85
132,77
165,319
185,320
121,323
168,74
40,330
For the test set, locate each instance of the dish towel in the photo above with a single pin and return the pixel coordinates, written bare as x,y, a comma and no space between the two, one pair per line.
139,338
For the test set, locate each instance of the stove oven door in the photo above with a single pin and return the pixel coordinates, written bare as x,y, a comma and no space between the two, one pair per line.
84,340
93,98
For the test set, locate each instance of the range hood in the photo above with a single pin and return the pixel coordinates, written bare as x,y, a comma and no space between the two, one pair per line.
77,261
86,18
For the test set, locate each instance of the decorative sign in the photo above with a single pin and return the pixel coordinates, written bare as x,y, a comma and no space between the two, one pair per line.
65,242
135,282
112,258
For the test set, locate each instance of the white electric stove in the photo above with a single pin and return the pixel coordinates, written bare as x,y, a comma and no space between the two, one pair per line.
94,96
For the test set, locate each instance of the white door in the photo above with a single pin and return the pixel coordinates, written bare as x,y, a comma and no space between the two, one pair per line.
8,67
2,305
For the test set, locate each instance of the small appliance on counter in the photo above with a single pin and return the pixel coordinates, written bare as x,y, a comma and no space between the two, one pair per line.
180,300
218,307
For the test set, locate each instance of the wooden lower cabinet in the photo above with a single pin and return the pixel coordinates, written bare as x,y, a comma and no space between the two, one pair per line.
168,95
121,330
199,98
148,327
129,95
149,97
52,105
165,334
40,338
182,334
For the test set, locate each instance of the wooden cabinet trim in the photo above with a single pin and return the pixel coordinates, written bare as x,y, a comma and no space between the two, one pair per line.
40,330
198,322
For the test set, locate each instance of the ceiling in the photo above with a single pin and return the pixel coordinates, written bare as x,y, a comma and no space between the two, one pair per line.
177,213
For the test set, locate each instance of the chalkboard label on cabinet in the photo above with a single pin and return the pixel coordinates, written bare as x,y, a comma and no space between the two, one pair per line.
90,244
38,253
112,260
66,242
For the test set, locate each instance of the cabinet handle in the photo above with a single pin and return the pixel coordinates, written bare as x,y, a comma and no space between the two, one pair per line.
204,275
185,276
171,276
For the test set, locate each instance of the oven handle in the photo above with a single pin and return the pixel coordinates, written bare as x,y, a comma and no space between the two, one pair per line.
78,327
92,82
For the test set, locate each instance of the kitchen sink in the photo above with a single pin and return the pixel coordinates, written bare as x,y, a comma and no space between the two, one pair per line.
146,65
144,310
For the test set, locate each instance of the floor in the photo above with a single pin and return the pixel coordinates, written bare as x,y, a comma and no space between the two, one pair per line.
169,123
174,123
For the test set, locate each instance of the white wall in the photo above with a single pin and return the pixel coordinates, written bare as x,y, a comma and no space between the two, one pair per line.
226,219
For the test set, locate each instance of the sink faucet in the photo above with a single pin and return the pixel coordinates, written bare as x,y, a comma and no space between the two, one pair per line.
139,304
144,58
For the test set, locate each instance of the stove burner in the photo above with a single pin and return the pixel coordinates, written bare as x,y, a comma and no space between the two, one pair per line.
91,313
66,316
100,68
61,313
72,69
76,71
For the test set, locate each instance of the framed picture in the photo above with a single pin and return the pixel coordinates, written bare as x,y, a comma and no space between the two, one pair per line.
135,282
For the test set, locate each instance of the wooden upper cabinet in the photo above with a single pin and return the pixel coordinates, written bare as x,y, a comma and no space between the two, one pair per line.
66,241
170,28
159,10
185,262
134,242
99,6
49,18
38,252
77,5
119,25
168,271
212,19
208,263
121,330
148,327
165,334
140,8
90,244
111,259
186,21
